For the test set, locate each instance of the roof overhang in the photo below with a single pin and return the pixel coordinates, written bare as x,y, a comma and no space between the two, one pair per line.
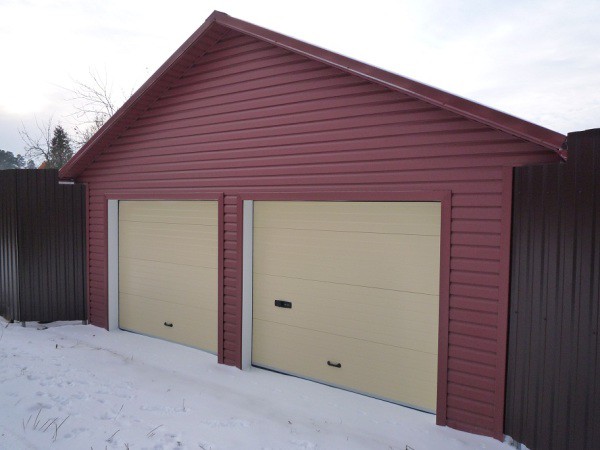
218,24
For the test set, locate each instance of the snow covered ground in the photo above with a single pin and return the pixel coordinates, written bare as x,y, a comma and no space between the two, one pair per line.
81,387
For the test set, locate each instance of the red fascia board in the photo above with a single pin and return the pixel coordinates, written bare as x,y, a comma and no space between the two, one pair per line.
150,90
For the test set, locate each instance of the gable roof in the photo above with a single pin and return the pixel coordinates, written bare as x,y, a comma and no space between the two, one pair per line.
218,24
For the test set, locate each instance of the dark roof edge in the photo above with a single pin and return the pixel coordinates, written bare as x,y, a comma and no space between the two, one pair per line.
475,111
467,108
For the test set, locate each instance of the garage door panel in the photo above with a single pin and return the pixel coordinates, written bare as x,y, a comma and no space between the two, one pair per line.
193,326
168,270
177,212
379,315
183,285
194,245
363,282
387,372
396,262
419,218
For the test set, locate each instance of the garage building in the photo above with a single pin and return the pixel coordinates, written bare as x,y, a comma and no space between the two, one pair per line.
283,206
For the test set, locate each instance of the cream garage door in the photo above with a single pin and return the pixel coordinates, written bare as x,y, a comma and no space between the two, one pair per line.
362,280
168,270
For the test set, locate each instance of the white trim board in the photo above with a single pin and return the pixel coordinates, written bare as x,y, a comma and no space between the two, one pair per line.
248,232
113,265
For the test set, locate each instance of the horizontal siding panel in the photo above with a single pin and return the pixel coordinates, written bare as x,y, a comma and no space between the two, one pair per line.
480,279
376,116
266,87
345,161
378,146
296,134
230,328
230,336
230,345
342,182
486,200
467,290
230,357
273,112
239,67
231,282
288,96
467,404
476,213
472,252
475,368
487,344
396,136
483,239
473,380
471,329
476,265
478,317
473,355
474,304
379,167
471,393
475,226
230,264
230,290
468,421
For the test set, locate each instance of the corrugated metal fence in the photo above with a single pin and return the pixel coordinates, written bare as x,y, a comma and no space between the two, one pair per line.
553,378
42,247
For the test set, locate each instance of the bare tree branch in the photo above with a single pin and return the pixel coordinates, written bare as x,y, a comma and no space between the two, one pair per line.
94,104
38,145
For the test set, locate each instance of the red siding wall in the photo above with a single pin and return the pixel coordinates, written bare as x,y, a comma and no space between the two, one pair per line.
250,116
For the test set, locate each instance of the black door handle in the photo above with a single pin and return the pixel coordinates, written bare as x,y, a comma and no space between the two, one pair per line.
338,365
168,324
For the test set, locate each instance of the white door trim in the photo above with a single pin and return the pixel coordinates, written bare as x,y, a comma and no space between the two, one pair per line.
113,265
248,233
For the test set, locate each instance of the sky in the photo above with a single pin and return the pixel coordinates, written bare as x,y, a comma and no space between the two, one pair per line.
537,60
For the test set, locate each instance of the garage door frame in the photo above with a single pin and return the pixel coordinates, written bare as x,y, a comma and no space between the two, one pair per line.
111,268
245,247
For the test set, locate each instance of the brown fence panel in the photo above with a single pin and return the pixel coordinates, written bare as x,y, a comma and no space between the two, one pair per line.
48,224
553,390
9,280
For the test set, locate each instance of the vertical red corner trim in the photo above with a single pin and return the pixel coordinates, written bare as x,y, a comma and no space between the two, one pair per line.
503,301
221,278
444,315
239,202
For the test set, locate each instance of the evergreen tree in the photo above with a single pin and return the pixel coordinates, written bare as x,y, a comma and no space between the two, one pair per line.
60,149
8,160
